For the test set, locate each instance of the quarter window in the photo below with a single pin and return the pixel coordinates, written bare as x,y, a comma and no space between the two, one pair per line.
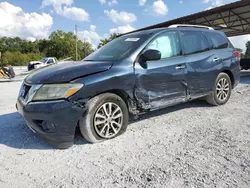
50,61
194,42
219,42
167,44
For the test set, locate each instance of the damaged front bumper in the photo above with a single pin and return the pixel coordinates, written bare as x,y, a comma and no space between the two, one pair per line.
54,121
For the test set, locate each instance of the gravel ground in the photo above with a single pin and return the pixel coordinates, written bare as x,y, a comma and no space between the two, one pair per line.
190,145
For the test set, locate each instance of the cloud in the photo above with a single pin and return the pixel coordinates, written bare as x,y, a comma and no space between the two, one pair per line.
142,2
73,13
57,2
102,1
16,22
121,18
159,8
240,41
208,8
122,29
112,2
206,1
65,9
181,2
90,35
216,3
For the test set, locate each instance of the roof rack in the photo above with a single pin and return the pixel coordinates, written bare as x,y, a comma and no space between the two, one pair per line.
187,25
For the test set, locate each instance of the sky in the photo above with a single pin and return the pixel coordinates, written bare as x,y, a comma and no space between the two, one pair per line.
95,19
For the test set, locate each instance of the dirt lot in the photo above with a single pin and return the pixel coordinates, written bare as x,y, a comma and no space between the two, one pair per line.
190,145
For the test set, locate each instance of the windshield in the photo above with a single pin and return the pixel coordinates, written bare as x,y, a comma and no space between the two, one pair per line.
119,48
43,60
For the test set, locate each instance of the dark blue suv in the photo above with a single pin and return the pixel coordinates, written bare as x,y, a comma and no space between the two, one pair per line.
133,74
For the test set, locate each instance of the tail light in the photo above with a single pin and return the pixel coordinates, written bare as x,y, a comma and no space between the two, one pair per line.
237,54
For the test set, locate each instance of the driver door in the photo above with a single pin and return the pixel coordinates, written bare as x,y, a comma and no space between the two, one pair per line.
163,82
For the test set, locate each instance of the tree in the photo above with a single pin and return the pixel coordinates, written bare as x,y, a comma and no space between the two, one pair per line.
43,46
86,49
62,45
247,54
11,44
103,42
16,51
107,40
240,51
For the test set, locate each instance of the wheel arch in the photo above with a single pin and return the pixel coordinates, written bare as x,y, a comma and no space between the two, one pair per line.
127,98
231,76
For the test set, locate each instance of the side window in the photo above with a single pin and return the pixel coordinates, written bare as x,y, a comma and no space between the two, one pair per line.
194,42
167,44
219,42
50,61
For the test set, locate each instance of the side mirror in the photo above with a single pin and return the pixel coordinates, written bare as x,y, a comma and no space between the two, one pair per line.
151,55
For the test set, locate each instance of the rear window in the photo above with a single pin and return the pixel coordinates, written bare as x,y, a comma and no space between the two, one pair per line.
194,42
219,42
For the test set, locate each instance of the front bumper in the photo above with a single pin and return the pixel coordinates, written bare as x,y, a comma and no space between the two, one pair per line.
54,121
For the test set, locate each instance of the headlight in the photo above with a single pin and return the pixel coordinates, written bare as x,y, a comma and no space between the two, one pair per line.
56,91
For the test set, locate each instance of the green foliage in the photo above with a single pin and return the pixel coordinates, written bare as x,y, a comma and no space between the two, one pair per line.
240,51
107,40
18,58
87,49
16,51
17,45
62,45
247,54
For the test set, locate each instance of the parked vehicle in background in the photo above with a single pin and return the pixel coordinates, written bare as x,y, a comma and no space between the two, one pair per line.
7,72
133,74
245,64
41,63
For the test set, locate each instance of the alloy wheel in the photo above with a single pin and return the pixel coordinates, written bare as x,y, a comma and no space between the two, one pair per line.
222,89
108,120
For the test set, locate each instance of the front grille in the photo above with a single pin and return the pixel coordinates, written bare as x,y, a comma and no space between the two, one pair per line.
24,91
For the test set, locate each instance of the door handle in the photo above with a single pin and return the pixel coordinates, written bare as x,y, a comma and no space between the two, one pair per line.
216,59
180,67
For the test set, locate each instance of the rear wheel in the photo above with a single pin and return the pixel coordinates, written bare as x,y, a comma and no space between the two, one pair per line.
106,117
222,90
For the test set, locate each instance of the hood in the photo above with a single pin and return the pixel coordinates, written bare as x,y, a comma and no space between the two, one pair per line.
65,72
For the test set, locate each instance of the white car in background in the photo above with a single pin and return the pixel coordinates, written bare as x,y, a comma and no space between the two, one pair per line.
41,63
44,62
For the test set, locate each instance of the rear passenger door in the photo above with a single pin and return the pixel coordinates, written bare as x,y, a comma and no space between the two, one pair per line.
201,63
223,49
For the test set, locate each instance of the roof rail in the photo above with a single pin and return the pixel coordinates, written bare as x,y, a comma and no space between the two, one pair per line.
187,25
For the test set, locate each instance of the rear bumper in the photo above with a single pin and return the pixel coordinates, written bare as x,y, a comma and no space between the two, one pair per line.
54,121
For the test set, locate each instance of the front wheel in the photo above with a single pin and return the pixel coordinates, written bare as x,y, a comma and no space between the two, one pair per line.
106,117
222,90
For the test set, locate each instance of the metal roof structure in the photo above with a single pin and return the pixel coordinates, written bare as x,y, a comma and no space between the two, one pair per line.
232,19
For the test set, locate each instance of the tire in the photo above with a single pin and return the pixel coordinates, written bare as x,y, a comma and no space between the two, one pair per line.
214,98
88,123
